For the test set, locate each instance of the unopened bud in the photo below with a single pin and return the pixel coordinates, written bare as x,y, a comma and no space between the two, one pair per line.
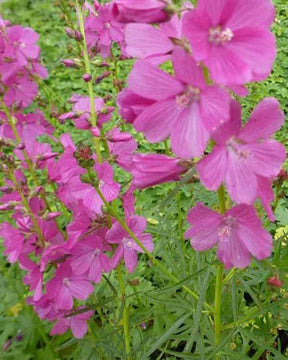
70,32
21,146
103,76
69,63
86,77
274,281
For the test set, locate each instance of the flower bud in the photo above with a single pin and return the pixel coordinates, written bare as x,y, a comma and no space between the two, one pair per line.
86,77
274,281
70,32
21,146
101,77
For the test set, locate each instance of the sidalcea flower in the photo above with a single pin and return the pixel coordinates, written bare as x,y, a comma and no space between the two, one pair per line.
127,247
185,107
232,38
152,169
66,285
246,158
13,241
88,257
77,323
21,44
140,11
238,233
21,91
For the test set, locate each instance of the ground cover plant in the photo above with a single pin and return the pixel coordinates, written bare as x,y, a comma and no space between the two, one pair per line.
143,207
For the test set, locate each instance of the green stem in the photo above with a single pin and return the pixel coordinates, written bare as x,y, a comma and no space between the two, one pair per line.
125,318
157,263
93,118
219,280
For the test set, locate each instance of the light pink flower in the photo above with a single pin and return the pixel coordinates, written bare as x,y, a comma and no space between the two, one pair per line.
238,233
246,158
185,108
232,38
127,247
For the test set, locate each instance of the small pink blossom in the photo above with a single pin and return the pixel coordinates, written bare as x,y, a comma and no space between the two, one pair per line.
238,233
127,247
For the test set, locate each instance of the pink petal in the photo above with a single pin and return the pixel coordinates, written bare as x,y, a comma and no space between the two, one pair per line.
157,120
204,231
147,241
144,40
80,289
187,70
212,168
137,224
266,157
240,180
189,136
95,271
265,120
116,234
266,195
60,327
130,259
214,107
79,327
152,83
63,298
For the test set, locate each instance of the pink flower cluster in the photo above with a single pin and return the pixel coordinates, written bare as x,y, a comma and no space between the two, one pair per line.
19,65
217,47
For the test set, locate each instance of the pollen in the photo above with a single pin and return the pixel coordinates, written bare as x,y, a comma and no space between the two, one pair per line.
219,36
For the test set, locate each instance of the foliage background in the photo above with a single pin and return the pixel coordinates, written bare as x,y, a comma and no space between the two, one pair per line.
170,332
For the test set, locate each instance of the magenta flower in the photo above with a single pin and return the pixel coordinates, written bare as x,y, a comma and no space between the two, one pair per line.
185,108
86,192
131,105
122,151
243,157
77,323
127,247
21,44
88,257
232,38
105,28
33,278
65,285
143,11
152,169
21,91
238,233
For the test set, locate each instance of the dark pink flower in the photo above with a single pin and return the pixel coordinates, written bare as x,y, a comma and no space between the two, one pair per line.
21,91
232,38
246,158
13,241
143,11
185,107
127,247
238,233
66,285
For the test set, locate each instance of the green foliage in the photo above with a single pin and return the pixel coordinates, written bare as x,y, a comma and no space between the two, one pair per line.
165,322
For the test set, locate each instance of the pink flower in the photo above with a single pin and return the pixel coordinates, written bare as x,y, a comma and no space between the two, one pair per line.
131,105
34,278
238,233
65,285
21,91
87,193
21,44
152,169
143,11
105,28
246,158
232,38
77,323
81,113
185,108
88,257
127,247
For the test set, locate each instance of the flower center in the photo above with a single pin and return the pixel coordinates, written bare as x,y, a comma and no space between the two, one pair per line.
127,243
220,37
234,145
101,183
66,281
190,95
225,229
107,25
